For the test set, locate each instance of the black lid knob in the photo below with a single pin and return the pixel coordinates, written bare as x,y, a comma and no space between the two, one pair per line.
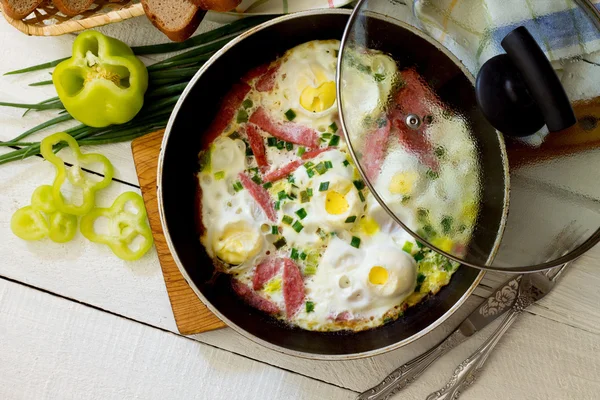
519,92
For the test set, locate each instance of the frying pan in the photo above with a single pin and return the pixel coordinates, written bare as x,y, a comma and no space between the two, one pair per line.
177,186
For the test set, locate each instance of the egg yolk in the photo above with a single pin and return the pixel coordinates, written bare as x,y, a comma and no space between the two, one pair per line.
318,99
378,275
336,203
443,243
402,182
237,243
368,225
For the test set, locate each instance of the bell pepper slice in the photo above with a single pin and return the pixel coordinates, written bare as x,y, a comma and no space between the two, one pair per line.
63,227
28,223
103,82
75,174
124,227
42,199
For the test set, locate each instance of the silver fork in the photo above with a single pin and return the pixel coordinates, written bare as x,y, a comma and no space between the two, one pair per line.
533,287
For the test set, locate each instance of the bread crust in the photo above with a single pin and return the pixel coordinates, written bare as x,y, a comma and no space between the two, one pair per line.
178,35
65,7
13,13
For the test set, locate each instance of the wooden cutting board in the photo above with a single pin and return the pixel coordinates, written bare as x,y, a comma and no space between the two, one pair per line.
191,315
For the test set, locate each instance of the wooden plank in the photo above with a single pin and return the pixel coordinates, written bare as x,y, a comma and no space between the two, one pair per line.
191,315
53,348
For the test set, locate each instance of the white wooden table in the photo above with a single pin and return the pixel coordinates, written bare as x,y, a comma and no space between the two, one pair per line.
78,323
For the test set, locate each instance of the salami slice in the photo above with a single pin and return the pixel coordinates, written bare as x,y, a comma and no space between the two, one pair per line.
265,271
313,153
228,108
260,194
255,72
288,131
293,287
267,81
282,172
257,144
253,298
374,151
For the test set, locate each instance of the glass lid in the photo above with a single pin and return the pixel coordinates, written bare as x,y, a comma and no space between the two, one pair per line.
475,124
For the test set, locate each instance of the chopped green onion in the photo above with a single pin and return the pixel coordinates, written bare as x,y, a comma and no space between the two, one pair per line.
407,247
274,230
271,142
294,254
448,266
292,196
303,256
242,116
310,269
290,114
419,244
379,77
237,186
297,226
335,140
323,186
422,214
333,127
281,195
291,178
308,164
355,242
234,135
277,205
419,256
431,174
268,185
387,320
326,136
219,175
420,278
322,234
287,220
328,164
428,229
310,306
247,103
360,185
346,163
446,224
301,150
440,152
280,145
280,243
362,196
256,179
289,146
350,219
304,198
321,168
310,172
301,213
309,192
417,288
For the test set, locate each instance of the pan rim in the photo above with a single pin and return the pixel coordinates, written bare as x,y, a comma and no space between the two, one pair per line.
182,269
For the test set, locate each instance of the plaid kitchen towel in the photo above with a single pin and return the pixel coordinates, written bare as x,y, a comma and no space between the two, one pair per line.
473,30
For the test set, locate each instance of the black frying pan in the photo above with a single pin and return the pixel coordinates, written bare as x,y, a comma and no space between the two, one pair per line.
177,184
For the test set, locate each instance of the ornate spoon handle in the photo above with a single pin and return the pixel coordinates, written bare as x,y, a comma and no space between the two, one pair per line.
410,371
466,372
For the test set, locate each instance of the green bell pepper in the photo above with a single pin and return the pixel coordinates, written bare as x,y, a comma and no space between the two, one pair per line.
29,222
74,174
103,82
124,227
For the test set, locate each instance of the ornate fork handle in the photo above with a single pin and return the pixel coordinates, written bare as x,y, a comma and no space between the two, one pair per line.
410,371
466,372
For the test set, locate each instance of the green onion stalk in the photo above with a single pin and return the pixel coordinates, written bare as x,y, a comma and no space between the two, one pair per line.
167,80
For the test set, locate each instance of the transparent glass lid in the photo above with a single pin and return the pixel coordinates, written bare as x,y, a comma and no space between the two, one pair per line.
476,124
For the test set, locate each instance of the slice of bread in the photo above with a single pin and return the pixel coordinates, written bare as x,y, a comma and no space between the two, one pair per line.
72,7
19,9
178,19
217,5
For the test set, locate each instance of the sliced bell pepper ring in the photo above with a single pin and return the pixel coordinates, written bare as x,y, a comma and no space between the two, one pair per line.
29,224
124,227
75,174
103,82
